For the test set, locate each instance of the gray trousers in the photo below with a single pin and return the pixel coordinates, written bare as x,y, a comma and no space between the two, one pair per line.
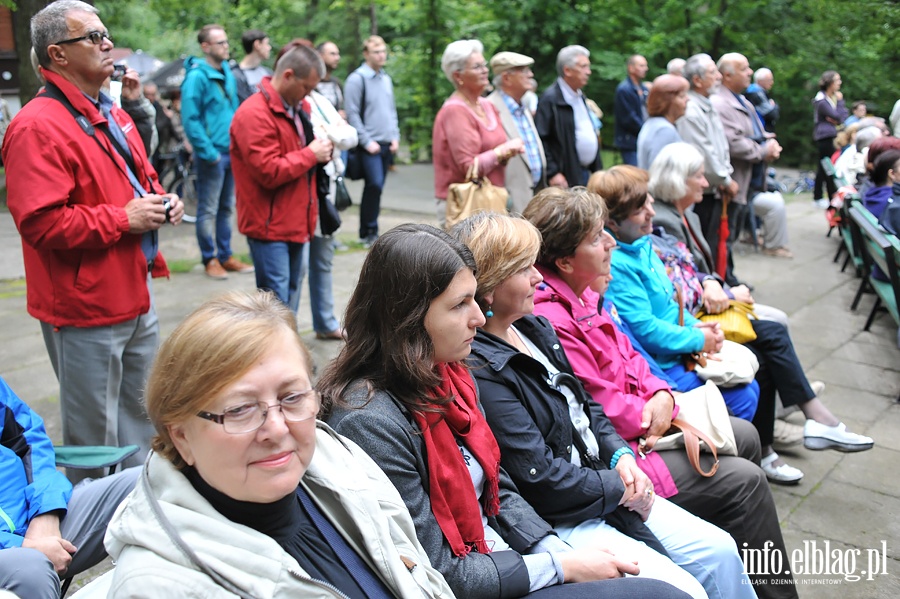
102,372
769,207
29,573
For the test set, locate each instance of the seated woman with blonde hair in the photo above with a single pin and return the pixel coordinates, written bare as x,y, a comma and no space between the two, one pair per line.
558,445
245,493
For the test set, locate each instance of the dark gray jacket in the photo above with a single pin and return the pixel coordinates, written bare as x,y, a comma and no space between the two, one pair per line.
384,428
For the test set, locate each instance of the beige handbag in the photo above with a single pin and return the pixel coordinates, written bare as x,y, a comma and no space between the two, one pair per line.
733,365
473,196
702,416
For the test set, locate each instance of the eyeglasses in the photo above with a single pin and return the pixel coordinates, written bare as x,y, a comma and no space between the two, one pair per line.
219,43
96,38
478,67
248,417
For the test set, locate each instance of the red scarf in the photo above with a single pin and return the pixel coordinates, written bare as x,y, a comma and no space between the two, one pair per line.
453,501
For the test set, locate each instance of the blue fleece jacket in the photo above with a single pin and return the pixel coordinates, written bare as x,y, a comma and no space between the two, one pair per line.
30,484
644,296
208,101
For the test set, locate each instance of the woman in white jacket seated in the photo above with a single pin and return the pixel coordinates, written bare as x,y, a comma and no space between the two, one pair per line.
245,493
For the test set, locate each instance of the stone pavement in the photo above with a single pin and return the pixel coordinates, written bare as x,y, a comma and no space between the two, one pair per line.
842,512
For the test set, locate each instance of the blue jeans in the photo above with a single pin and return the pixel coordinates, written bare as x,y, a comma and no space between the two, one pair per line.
629,157
279,268
215,204
321,298
375,167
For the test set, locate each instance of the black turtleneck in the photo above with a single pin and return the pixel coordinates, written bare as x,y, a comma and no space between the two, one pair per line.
288,522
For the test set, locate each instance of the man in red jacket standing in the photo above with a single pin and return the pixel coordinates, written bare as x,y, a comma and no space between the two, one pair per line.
274,156
88,206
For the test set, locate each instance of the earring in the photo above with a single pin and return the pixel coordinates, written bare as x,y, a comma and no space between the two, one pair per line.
489,313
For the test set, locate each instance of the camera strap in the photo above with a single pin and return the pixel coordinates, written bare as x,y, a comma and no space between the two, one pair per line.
149,239
52,91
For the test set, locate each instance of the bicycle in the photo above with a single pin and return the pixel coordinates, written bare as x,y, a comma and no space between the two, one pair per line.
178,176
800,184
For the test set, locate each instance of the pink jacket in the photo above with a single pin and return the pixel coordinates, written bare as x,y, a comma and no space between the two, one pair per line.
613,373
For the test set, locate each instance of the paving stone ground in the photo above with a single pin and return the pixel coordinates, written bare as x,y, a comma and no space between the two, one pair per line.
847,507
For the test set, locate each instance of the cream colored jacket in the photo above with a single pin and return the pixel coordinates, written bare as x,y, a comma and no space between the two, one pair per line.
168,541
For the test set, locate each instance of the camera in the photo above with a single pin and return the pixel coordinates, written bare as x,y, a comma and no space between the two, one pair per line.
118,72
167,204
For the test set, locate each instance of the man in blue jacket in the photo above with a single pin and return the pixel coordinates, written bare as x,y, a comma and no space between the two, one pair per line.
47,529
631,109
209,98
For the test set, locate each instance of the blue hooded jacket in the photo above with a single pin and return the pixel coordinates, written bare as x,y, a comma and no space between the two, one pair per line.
208,100
30,484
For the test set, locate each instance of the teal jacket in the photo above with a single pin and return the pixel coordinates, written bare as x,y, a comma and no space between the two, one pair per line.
645,298
208,101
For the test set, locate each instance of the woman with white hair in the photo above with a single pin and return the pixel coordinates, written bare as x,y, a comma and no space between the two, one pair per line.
467,127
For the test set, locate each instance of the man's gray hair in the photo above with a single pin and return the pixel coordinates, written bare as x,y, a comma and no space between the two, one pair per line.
865,137
670,170
696,67
49,26
567,57
457,55
762,73
675,66
302,60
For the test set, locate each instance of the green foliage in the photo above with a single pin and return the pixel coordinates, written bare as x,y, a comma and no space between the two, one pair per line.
797,39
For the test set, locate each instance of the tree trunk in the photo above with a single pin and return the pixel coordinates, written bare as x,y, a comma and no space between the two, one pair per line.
29,83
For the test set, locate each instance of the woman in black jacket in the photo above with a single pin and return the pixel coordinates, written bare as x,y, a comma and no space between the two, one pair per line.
557,443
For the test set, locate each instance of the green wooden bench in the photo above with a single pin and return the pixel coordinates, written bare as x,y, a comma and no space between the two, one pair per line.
847,242
882,250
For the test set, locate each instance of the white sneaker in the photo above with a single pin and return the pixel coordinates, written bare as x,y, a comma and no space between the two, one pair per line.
817,436
822,203
780,475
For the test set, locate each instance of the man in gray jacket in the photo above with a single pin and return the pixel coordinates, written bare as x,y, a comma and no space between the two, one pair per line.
525,172
701,127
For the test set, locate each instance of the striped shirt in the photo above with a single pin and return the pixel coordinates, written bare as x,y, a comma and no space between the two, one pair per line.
528,135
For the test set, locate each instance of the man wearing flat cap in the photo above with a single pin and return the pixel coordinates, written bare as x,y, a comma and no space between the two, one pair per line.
525,172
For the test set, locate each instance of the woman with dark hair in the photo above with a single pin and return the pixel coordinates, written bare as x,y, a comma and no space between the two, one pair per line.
829,112
399,389
575,263
885,174
666,103
557,444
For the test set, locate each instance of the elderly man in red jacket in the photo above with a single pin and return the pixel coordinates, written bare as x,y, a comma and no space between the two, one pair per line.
274,157
88,206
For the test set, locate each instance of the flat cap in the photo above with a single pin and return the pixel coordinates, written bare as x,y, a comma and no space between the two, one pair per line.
504,61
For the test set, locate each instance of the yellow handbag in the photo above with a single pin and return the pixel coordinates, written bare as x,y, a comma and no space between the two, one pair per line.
473,196
735,321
